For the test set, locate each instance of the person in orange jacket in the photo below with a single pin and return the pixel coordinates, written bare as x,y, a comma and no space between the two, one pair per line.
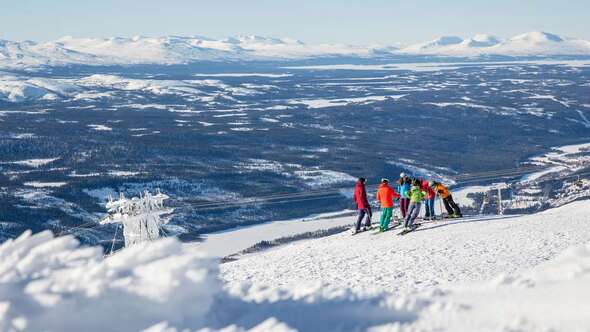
452,208
385,196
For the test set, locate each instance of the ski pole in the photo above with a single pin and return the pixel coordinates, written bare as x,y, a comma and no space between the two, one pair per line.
440,205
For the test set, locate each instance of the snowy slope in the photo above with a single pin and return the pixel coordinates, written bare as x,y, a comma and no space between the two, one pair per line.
180,49
509,280
16,89
438,253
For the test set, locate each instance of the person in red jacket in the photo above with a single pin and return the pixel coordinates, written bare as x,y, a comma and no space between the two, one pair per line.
385,196
362,205
429,200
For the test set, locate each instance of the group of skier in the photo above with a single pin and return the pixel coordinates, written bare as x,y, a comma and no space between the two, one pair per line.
410,193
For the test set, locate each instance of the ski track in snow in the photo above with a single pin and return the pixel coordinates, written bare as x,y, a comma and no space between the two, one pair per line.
437,253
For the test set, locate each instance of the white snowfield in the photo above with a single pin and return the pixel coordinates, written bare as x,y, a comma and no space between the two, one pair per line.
479,274
178,50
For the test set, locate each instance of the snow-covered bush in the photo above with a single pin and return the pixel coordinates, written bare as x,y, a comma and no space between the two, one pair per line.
54,284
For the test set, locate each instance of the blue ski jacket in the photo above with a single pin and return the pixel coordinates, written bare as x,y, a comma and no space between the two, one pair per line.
404,190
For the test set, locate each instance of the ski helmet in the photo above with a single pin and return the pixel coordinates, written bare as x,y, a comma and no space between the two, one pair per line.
402,175
384,180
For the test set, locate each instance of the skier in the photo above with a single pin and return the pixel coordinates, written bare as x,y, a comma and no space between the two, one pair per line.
385,196
363,206
416,197
450,205
403,189
429,200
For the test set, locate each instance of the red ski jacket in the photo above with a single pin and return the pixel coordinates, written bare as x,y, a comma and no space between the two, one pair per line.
360,196
430,193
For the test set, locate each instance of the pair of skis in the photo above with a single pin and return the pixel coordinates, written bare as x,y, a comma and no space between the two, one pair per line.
406,231
391,227
403,232
362,230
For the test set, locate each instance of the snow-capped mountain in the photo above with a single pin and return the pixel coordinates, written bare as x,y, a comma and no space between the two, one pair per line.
163,50
179,50
528,44
541,43
433,45
481,40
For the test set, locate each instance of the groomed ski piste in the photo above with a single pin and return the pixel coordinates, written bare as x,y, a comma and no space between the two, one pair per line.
485,273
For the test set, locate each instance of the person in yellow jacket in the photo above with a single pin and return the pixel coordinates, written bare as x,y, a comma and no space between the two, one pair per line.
452,208
416,197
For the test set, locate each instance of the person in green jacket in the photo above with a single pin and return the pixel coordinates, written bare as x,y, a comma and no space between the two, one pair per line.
416,197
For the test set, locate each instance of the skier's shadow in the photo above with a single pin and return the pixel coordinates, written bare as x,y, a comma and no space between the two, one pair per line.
465,221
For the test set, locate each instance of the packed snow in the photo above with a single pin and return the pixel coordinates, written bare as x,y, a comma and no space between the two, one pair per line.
438,253
511,273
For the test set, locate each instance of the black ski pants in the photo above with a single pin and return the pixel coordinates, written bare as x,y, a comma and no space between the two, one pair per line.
451,206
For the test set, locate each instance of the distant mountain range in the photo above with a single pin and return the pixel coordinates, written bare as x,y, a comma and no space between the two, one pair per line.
178,50
528,44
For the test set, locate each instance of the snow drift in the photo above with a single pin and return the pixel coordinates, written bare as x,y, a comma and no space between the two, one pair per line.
53,284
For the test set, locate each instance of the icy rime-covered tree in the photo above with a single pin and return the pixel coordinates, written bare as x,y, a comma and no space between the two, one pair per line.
140,216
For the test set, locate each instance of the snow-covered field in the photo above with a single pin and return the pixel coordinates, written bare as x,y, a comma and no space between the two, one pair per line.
470,249
519,273
225,243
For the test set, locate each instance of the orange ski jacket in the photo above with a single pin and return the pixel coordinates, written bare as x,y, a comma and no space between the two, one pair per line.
385,195
442,191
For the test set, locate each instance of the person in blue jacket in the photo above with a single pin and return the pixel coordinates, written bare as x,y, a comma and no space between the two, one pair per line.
403,188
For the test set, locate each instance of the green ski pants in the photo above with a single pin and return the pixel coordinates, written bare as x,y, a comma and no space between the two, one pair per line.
386,214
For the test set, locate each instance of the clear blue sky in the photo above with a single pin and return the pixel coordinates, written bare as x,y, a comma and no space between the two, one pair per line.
362,22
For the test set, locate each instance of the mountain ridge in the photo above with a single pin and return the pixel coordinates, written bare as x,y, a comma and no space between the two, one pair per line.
186,49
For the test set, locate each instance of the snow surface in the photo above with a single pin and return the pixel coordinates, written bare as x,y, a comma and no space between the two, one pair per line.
471,249
460,195
323,103
37,184
53,284
561,159
24,88
228,242
36,163
98,127
485,274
